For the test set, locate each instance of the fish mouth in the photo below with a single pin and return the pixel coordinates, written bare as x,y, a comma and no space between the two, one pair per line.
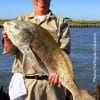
6,24
10,23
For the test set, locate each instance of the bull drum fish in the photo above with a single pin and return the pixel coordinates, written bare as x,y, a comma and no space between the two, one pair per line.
33,40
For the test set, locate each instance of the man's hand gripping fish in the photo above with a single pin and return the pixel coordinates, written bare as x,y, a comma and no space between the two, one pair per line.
32,39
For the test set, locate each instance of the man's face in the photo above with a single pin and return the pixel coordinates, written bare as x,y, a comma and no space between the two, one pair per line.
41,3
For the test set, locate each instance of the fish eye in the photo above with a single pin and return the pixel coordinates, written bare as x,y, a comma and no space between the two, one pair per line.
16,26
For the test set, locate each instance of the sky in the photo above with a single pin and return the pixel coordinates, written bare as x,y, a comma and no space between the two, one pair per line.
74,9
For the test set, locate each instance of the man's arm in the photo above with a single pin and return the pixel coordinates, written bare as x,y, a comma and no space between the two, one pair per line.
64,44
64,36
9,48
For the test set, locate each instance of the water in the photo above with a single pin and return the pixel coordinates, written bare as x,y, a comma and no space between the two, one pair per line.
84,49
5,67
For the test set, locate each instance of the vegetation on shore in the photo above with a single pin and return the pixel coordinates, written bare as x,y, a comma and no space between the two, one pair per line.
83,23
70,22
2,21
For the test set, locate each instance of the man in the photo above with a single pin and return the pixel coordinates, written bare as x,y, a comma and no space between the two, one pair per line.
41,88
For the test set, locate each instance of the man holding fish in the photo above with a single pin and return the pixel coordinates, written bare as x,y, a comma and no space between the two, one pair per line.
40,86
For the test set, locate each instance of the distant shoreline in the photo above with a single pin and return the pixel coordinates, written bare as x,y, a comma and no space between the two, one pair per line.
72,23
84,23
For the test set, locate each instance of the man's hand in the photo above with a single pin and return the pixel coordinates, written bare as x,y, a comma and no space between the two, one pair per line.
6,43
54,79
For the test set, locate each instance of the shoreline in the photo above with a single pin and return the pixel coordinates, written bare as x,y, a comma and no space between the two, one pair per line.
84,24
77,26
71,23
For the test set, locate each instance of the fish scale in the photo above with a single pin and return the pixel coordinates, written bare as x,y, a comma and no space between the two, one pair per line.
42,45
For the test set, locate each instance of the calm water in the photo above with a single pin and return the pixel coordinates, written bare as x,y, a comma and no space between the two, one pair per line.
84,50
